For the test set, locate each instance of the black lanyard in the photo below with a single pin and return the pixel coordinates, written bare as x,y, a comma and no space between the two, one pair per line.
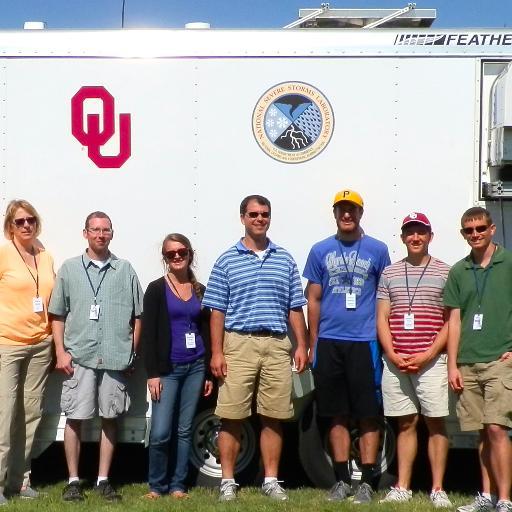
35,279
95,293
480,292
409,298
181,298
355,262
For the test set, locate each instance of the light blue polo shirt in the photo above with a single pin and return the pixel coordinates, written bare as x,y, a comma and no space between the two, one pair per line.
255,294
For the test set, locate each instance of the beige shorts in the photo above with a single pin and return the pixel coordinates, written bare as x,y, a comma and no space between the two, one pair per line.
256,365
487,395
425,392
88,387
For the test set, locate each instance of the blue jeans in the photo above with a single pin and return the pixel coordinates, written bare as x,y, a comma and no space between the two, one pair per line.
171,426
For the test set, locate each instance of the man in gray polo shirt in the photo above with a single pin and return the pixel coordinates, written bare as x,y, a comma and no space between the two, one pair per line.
96,304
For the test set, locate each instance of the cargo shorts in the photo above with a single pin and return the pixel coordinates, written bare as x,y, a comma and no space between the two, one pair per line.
487,395
89,389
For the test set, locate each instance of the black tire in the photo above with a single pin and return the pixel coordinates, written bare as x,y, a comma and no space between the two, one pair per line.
205,469
315,455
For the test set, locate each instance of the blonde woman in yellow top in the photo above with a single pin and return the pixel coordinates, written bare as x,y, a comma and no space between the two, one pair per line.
26,282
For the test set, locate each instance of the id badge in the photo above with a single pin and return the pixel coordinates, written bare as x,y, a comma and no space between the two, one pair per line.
94,312
478,321
350,301
190,339
37,305
408,321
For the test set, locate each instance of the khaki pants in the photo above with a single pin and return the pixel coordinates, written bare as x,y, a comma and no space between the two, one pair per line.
23,375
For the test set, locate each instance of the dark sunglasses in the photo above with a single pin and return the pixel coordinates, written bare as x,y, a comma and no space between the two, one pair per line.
478,229
254,215
19,223
182,253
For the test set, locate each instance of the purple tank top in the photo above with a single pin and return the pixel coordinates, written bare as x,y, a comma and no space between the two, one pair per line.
183,318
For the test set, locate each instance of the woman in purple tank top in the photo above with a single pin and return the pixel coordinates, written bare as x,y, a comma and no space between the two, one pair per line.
176,344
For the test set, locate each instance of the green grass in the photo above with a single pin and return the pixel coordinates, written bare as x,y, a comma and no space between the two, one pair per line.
205,500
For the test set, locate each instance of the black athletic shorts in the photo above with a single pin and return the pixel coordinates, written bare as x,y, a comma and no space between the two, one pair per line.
347,378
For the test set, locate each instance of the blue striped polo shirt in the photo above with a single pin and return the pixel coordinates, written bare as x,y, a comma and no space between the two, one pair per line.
255,294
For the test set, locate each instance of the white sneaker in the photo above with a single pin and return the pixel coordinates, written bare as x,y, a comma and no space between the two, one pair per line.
440,499
228,491
504,506
397,494
274,490
480,504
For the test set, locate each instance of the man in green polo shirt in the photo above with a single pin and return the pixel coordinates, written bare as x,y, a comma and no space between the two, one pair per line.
96,308
478,295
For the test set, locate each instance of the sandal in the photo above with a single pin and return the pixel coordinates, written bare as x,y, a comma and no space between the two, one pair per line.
152,495
179,495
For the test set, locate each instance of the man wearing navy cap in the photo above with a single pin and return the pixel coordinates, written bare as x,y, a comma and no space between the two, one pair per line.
413,332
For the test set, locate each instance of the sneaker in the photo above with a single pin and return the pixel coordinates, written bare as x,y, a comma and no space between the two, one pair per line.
3,499
397,494
274,490
340,491
504,506
228,491
29,493
363,494
440,499
479,504
106,491
73,492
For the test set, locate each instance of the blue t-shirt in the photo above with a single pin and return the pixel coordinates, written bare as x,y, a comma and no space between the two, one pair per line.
183,318
332,264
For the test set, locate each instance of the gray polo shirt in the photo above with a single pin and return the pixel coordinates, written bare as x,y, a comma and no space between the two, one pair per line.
105,343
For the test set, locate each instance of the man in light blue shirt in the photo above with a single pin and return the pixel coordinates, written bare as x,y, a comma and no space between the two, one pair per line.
343,272
254,291
96,306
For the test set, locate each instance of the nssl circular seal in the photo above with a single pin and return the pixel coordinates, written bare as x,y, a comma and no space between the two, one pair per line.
293,122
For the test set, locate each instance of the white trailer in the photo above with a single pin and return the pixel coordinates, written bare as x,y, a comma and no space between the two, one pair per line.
166,130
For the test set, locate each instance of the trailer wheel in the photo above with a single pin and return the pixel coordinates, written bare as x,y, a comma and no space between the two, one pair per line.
204,456
315,456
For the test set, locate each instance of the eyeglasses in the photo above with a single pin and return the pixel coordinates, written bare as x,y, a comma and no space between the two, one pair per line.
478,229
19,223
255,215
100,231
182,253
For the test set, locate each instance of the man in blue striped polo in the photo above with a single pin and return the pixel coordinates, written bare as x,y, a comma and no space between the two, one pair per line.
254,291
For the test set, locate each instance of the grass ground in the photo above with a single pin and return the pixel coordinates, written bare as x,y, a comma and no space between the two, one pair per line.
205,500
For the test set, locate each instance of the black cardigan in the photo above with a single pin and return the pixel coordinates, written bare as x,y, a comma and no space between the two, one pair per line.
155,331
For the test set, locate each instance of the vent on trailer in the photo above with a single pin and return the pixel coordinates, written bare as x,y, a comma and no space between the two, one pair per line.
325,17
34,25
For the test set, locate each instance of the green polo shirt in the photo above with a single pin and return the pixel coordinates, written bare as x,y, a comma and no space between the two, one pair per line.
105,343
495,337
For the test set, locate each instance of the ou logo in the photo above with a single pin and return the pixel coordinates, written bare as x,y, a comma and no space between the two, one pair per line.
92,137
